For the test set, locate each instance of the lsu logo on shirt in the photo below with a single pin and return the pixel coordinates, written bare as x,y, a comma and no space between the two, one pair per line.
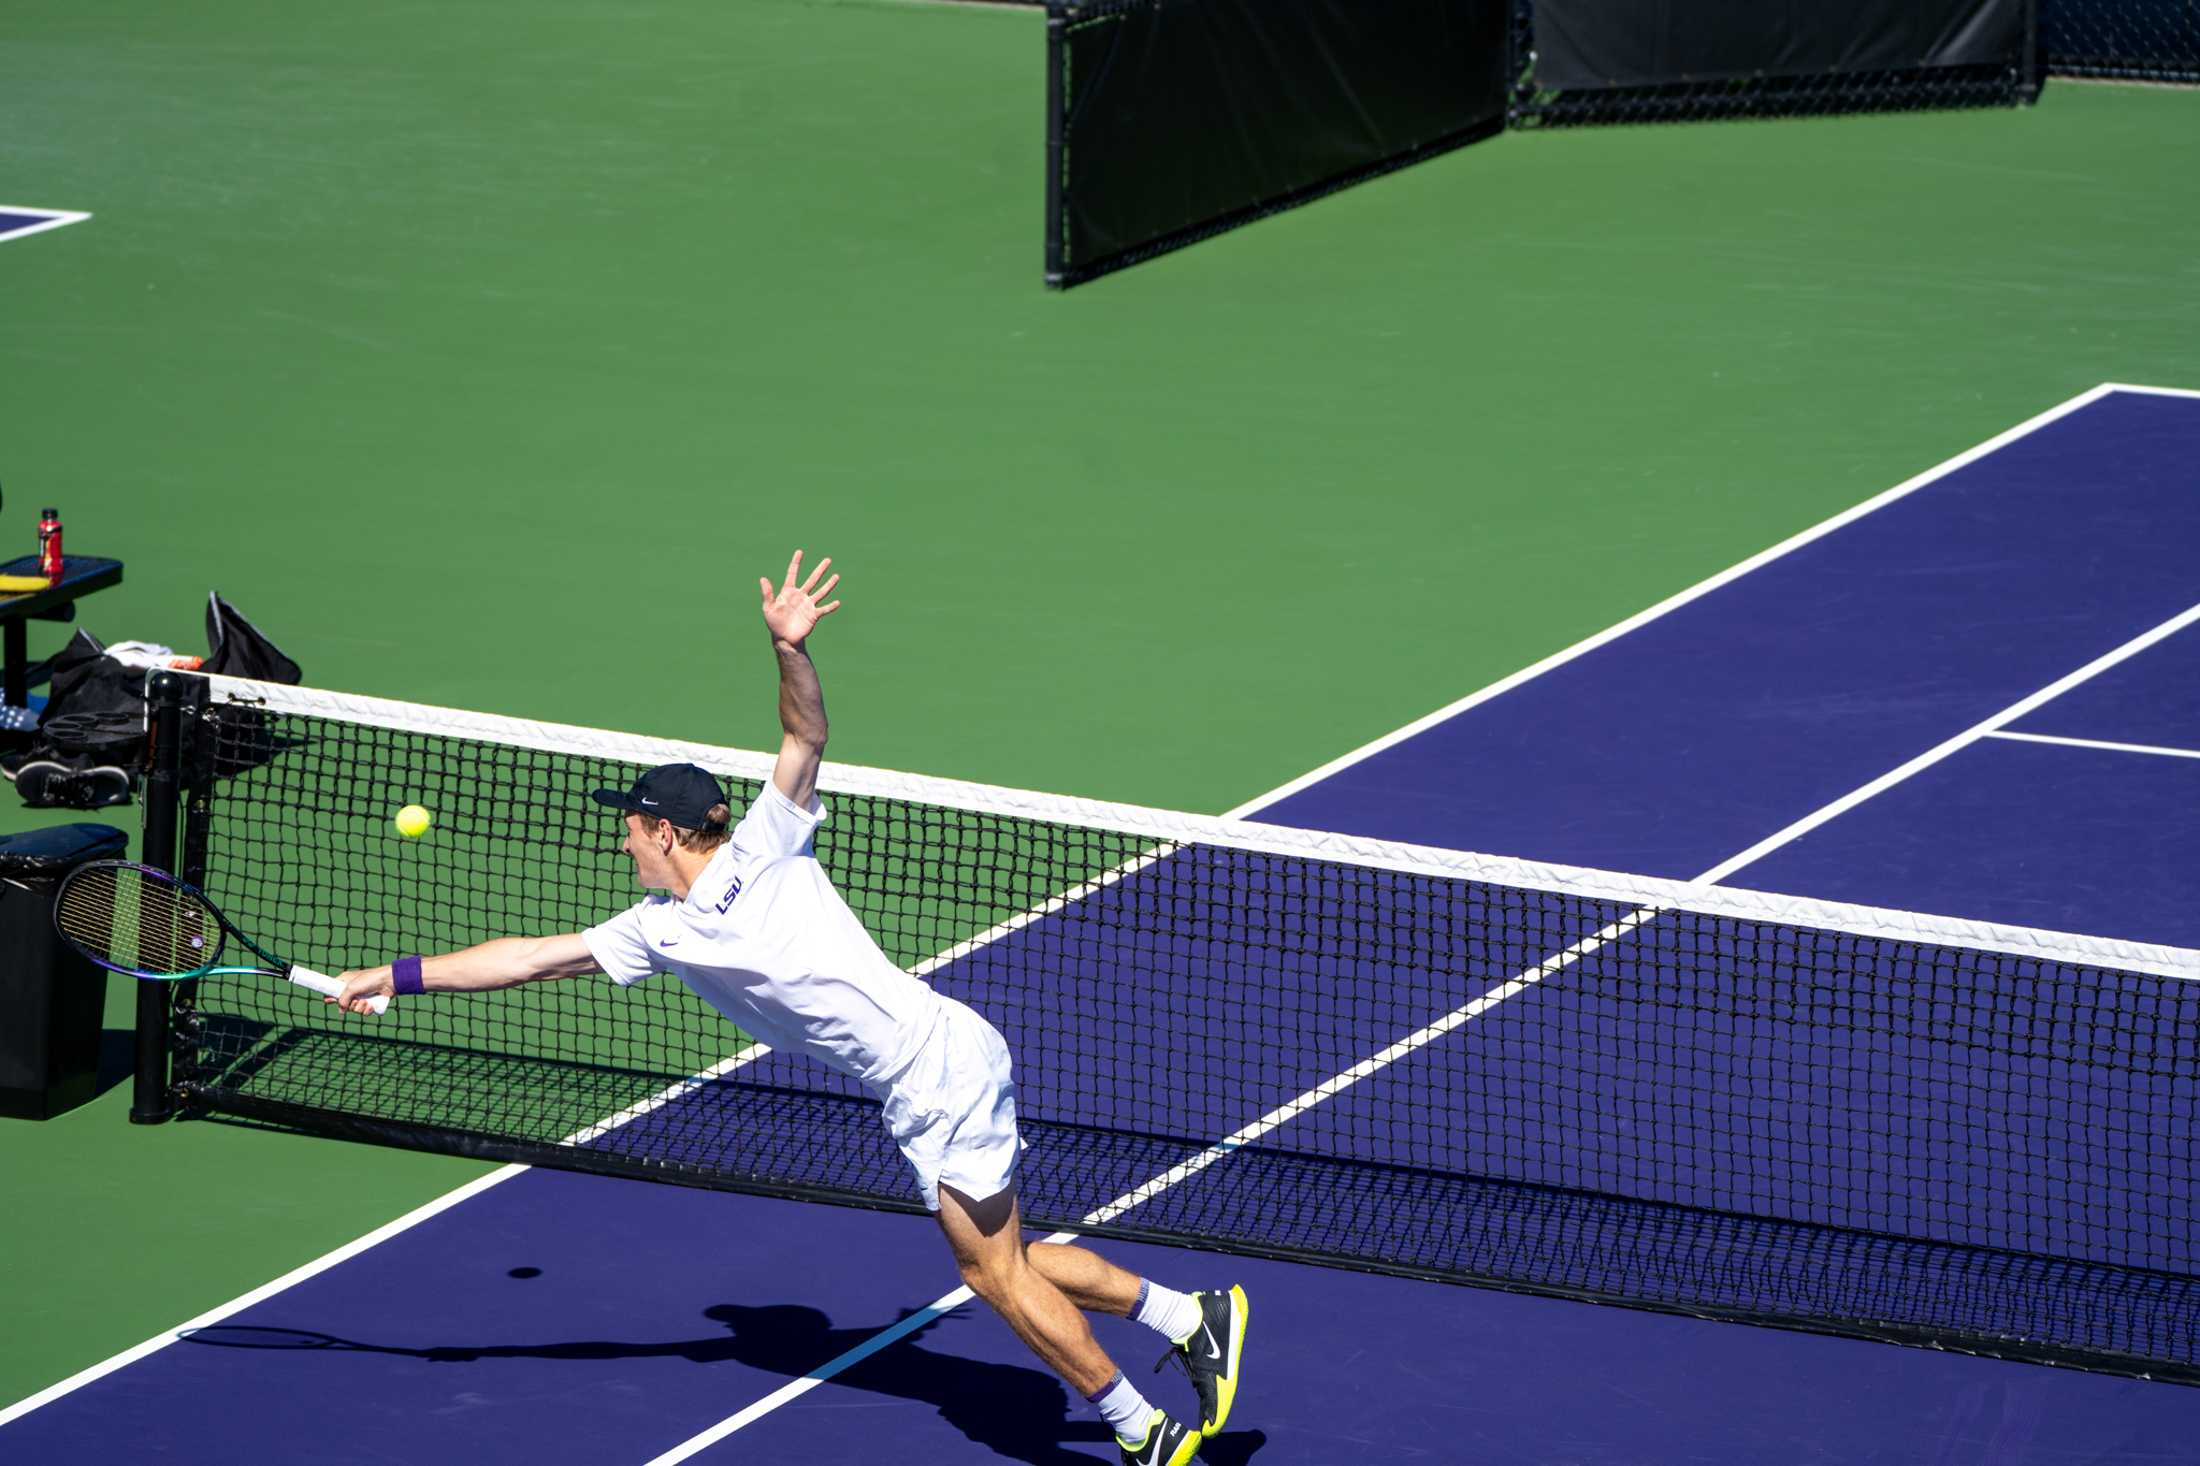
733,889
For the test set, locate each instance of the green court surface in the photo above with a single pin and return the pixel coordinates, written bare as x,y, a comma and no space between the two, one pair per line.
485,354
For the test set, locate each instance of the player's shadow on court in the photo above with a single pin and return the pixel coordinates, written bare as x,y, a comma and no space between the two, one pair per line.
1018,1412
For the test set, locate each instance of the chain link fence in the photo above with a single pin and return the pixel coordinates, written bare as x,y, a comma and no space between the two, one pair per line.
1544,96
2124,40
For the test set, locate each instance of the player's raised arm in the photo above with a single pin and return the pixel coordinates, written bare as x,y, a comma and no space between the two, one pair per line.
791,613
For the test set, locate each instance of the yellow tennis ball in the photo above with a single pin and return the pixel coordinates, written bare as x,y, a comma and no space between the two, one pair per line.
412,822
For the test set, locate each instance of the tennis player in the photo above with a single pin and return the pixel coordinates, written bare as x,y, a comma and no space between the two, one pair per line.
754,926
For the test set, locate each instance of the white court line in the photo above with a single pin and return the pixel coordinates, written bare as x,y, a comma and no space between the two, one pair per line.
265,1291
2097,743
55,219
2151,391
794,1389
1956,744
1335,765
352,1249
1049,907
1375,1063
1695,592
589,1133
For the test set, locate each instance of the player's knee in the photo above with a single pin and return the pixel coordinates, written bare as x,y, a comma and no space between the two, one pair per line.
980,1278
993,1277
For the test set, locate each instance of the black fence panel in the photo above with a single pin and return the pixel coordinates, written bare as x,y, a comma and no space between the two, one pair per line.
2131,40
1608,61
1173,120
1618,43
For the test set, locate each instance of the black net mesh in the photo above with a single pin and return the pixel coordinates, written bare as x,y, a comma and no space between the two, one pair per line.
1273,1052
2132,40
1766,93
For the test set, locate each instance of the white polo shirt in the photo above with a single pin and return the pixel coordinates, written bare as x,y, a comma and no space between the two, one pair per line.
765,939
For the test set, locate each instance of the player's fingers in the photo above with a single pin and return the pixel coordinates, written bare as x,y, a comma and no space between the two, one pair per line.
827,588
820,570
827,610
766,587
794,570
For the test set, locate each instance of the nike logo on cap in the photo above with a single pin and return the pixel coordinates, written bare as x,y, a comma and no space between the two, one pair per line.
651,802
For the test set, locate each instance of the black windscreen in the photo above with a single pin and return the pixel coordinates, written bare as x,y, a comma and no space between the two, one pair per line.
1623,43
1176,119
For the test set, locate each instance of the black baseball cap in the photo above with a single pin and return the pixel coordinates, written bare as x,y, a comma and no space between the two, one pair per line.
681,793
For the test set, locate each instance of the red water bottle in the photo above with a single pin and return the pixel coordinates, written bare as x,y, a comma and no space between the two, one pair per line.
49,544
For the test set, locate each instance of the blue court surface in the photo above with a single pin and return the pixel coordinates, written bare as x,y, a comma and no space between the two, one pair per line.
1975,696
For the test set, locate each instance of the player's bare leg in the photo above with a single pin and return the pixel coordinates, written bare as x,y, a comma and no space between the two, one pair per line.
987,1238
1088,1280
1206,1331
988,1242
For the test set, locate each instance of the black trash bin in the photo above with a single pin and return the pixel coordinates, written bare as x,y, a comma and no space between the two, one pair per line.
50,998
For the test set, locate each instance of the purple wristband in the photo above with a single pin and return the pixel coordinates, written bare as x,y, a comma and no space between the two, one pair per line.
405,976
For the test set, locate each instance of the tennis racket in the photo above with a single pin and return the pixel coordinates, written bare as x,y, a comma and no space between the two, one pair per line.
133,919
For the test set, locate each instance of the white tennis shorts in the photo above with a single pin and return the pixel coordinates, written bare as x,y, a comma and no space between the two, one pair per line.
953,1110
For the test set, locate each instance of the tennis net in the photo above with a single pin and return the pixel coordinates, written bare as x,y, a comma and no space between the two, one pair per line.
1261,1039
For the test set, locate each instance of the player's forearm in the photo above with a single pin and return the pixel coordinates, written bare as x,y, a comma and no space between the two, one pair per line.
502,963
801,698
505,962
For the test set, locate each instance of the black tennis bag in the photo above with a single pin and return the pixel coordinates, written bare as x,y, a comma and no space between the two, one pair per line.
90,741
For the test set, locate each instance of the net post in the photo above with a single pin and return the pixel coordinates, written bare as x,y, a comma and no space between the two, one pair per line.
195,756
149,1098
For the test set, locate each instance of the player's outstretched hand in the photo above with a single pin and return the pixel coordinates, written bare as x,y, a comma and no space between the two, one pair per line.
361,986
793,611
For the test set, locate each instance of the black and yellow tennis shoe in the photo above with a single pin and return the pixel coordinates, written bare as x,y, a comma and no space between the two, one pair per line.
1168,1442
1210,1355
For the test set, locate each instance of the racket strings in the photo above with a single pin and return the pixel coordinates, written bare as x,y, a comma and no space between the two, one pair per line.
122,918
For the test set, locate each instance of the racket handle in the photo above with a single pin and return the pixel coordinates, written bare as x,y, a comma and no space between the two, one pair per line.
322,983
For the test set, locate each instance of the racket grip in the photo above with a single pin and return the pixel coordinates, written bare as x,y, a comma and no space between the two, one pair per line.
322,983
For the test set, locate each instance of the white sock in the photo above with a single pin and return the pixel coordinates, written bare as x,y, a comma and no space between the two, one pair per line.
1171,1314
1123,1408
